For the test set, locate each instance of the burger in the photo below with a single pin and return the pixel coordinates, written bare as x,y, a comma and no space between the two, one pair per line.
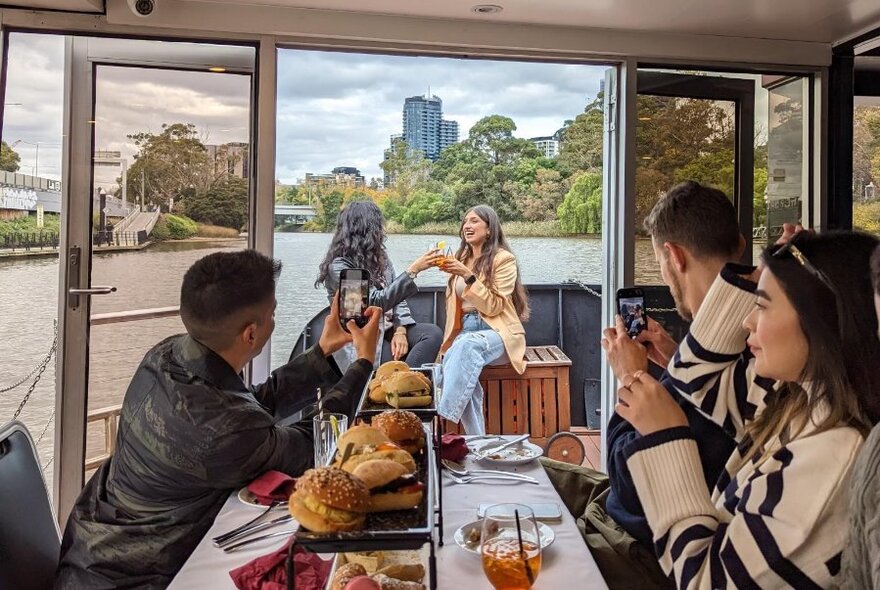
329,500
403,428
391,486
385,370
409,389
363,443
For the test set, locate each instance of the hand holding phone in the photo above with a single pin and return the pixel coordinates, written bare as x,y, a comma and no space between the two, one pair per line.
631,307
354,296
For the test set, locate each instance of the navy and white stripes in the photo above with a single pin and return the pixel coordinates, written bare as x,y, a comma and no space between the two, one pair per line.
771,523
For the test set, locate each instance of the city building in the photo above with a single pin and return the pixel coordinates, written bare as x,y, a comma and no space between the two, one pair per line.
424,128
549,145
341,176
230,158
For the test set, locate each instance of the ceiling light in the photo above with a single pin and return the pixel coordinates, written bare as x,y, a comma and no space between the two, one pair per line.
217,70
487,9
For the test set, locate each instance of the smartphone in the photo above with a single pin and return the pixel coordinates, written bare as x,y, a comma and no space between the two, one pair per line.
543,511
631,307
354,296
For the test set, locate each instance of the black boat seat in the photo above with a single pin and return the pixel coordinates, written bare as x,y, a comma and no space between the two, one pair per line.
30,541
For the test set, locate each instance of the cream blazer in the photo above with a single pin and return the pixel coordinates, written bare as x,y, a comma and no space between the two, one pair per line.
495,306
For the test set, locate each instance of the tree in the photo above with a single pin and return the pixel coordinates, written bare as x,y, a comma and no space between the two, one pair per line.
224,204
424,207
582,140
544,196
169,162
9,158
581,210
405,167
290,195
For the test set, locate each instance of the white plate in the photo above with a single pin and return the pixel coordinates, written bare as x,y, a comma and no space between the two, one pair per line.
247,497
515,455
547,536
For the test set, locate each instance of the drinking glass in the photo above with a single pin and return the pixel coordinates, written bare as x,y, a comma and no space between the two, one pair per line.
436,377
327,429
511,555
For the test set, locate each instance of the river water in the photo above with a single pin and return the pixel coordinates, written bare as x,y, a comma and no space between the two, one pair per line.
152,277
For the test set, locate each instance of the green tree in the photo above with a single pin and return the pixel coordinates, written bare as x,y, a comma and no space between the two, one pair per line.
167,163
328,204
582,140
290,195
224,204
581,210
405,167
544,196
9,158
426,206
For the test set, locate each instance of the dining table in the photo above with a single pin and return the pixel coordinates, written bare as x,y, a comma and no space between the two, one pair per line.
568,556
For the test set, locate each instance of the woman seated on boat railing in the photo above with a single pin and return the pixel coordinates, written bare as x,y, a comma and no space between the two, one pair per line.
486,304
778,515
359,242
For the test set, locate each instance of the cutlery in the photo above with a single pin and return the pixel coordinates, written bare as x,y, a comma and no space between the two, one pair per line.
458,469
237,546
498,476
515,441
254,529
221,538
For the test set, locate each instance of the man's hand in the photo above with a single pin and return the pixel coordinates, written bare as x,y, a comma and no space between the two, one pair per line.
644,402
333,337
789,230
365,338
660,345
399,345
625,355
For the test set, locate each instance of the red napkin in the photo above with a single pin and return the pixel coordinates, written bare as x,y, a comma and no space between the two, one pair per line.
453,447
269,572
272,485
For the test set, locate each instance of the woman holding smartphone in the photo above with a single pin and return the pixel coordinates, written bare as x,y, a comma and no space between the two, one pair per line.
359,242
486,304
799,403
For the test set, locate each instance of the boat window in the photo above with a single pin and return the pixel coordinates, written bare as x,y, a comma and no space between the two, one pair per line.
866,143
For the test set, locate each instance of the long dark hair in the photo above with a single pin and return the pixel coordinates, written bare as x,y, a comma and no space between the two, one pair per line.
836,314
483,265
360,237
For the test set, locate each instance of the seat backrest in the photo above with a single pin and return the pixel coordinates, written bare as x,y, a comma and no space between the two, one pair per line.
30,541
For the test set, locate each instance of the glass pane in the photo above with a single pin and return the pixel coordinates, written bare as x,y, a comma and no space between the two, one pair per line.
30,218
171,182
787,164
866,165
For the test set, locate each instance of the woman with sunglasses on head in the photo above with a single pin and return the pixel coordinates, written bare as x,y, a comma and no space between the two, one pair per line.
359,242
778,515
486,304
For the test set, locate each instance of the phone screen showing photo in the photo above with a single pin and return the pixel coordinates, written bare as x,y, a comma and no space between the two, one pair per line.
354,294
632,310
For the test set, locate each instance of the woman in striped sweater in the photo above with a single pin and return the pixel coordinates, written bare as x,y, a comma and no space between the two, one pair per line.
778,515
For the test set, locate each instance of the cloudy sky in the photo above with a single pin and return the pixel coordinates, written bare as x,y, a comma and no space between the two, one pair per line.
334,109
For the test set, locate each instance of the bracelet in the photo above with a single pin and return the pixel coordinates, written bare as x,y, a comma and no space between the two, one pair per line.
400,330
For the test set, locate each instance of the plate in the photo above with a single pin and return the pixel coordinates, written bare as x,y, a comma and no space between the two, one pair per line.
247,497
547,536
515,455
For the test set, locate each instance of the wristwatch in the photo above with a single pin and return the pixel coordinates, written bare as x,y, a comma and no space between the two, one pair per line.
470,280
412,274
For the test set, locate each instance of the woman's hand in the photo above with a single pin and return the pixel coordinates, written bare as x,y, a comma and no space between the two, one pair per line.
625,355
333,337
399,344
365,338
644,402
425,261
659,344
454,266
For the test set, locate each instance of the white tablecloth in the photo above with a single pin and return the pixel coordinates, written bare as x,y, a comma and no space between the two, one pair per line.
566,560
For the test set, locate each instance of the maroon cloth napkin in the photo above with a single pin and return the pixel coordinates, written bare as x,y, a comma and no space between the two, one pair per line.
453,447
269,572
272,485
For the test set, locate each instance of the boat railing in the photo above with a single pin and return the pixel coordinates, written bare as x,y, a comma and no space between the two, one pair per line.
110,418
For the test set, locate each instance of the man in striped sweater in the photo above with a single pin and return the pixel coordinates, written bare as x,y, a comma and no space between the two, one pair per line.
690,253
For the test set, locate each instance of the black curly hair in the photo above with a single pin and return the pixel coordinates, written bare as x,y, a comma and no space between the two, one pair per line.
360,237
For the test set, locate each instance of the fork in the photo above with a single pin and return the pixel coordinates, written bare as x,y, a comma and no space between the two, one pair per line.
219,539
470,478
262,526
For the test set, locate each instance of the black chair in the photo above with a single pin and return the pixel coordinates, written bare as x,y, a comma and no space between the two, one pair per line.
30,541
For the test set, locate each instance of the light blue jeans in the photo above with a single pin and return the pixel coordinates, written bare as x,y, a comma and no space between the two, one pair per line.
475,347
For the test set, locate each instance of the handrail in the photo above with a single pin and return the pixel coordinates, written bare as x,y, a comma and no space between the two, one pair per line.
120,317
110,417
126,221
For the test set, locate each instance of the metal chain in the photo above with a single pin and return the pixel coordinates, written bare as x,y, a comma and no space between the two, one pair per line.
46,428
40,369
595,293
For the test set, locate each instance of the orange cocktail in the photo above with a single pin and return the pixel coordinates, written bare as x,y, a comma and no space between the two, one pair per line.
507,567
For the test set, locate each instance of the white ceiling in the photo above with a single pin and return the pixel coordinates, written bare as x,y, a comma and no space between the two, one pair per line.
67,5
803,20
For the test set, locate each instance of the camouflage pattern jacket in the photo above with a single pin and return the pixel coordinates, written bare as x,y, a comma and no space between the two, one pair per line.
190,433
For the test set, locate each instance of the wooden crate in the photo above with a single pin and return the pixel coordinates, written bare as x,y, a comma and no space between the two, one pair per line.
537,402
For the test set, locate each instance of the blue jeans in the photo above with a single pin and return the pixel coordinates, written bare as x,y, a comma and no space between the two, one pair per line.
475,347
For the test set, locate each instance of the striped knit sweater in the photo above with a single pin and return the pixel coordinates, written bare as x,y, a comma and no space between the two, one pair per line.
776,523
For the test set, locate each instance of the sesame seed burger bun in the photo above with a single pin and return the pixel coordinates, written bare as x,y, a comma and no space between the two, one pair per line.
329,500
386,369
403,428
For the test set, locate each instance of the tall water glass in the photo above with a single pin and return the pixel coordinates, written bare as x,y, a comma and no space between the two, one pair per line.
511,554
326,432
436,377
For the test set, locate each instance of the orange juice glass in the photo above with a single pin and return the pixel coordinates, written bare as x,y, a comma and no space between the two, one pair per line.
508,564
